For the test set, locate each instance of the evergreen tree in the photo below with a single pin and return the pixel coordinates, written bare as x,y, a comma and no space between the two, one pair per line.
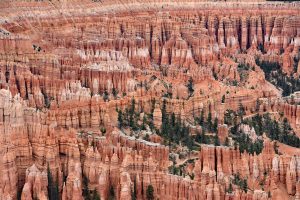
146,137
96,195
149,192
173,119
132,123
230,188
114,92
257,106
216,140
209,122
244,185
229,117
190,87
165,120
86,192
275,130
164,111
105,96
201,119
204,138
226,142
143,127
241,111
215,126
223,99
53,191
120,118
111,195
286,126
134,193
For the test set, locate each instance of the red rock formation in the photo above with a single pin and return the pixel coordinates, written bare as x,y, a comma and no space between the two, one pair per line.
67,66
36,184
222,133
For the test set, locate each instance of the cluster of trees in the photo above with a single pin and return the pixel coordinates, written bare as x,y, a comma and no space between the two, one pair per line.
149,192
242,183
275,75
180,170
242,66
207,124
105,95
205,139
245,143
202,138
86,192
243,71
232,117
280,131
241,140
174,130
130,118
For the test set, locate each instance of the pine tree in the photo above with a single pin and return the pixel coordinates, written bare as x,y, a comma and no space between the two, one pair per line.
215,126
134,193
173,119
244,185
201,119
241,111
209,122
204,137
96,195
216,140
86,192
143,127
111,193
105,96
131,114
190,87
257,106
226,142
165,120
120,118
223,99
114,92
230,188
164,111
53,190
149,192
229,116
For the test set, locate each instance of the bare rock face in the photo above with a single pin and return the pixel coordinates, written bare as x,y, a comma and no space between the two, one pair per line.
157,115
222,133
84,83
36,184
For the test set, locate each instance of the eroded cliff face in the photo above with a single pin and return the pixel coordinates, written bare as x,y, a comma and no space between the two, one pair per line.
68,69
